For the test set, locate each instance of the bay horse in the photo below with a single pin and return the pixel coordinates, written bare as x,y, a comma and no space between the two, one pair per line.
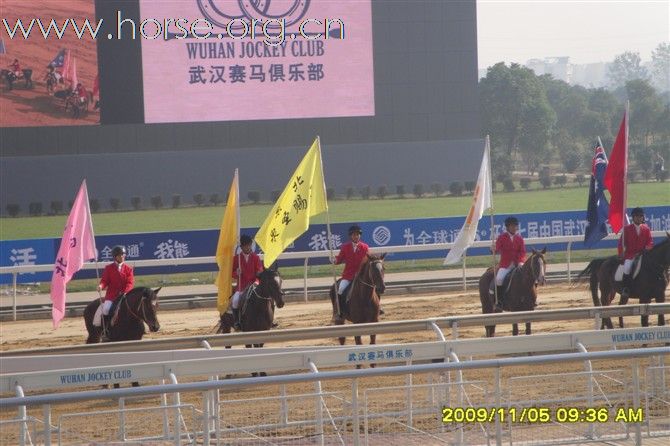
258,308
522,294
139,307
650,283
364,291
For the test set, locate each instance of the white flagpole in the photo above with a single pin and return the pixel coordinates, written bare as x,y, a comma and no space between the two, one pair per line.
493,240
328,231
90,218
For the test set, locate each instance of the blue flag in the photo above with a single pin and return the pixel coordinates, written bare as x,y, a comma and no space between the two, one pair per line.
59,59
3,50
598,207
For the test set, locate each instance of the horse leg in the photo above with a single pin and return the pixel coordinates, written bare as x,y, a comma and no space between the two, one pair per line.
373,340
490,331
515,329
527,328
359,341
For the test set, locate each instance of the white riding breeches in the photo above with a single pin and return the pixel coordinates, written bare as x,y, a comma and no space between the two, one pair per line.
106,306
236,300
627,266
344,283
103,309
502,273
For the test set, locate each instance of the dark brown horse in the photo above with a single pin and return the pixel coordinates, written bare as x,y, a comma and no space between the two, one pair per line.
139,307
364,291
650,283
258,308
522,294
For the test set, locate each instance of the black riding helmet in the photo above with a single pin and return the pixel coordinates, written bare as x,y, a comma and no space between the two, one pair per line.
637,211
511,221
245,240
355,229
118,250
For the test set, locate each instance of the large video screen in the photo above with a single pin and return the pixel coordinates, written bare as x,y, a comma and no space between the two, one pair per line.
34,36
229,60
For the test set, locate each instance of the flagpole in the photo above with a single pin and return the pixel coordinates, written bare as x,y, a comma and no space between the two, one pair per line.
238,247
625,169
328,231
90,218
491,213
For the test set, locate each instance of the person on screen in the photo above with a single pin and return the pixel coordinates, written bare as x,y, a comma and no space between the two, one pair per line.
81,93
16,68
246,266
512,250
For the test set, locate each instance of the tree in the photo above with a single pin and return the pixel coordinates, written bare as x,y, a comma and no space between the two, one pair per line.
660,66
626,67
516,114
646,107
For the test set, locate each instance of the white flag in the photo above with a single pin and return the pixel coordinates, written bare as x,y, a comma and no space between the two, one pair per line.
480,203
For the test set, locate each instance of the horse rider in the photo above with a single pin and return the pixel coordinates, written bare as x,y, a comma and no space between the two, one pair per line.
16,68
117,279
512,250
635,239
81,93
246,267
51,74
351,254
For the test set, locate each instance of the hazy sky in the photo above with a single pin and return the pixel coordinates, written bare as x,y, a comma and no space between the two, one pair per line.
586,31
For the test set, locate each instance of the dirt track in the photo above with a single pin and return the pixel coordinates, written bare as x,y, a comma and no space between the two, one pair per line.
39,333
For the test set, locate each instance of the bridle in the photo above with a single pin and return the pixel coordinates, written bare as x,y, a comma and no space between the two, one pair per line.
537,256
370,267
141,307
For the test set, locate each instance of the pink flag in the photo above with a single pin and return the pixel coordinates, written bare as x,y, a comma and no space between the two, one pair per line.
77,246
66,66
73,76
615,177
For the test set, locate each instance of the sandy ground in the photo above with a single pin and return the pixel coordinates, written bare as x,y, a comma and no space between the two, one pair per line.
22,107
39,333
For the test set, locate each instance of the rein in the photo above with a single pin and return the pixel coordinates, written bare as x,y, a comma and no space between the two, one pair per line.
371,285
139,306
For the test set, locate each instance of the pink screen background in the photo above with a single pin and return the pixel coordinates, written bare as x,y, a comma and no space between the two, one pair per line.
347,88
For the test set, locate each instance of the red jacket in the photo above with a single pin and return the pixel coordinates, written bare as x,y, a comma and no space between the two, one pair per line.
511,249
352,260
249,269
635,244
117,282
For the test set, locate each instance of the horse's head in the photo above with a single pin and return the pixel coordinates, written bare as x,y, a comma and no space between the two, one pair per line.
146,308
537,265
375,272
660,253
271,283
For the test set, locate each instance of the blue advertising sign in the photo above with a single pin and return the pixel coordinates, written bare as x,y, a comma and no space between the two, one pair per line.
427,231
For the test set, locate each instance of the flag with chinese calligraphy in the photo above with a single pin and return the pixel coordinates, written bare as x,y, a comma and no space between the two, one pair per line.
304,197
481,201
76,247
225,249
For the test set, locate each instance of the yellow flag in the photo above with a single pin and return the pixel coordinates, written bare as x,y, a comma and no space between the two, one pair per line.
225,249
304,197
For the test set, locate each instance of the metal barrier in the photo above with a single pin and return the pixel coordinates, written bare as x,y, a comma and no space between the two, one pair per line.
358,416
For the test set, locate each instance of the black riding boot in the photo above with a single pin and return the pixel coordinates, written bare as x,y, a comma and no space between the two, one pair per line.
106,328
626,284
499,304
236,319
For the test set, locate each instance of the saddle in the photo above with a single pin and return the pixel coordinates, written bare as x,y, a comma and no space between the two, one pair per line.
637,265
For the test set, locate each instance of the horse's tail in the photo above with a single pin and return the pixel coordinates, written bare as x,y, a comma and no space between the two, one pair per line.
590,270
